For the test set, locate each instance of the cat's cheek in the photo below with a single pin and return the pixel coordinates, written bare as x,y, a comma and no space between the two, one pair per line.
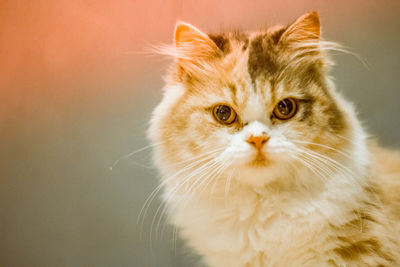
279,146
236,155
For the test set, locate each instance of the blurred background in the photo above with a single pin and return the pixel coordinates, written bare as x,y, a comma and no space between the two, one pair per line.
77,88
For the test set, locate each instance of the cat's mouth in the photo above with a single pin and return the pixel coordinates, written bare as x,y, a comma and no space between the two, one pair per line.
260,160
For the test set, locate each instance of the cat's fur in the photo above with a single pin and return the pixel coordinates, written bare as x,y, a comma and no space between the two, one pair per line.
320,195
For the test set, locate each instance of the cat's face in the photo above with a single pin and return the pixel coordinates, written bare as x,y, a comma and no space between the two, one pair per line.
254,106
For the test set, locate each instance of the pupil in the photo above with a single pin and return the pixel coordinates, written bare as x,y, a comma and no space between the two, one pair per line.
224,112
285,107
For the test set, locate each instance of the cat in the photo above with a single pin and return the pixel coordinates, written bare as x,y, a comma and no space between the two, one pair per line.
263,162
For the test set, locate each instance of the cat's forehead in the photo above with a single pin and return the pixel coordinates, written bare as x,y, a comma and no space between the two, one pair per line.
228,42
255,107
260,50
264,55
255,63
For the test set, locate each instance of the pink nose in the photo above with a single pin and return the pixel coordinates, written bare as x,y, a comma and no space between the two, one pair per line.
257,141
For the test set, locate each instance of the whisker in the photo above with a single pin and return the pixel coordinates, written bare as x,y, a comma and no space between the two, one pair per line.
324,146
224,166
200,180
166,207
331,166
308,165
173,194
202,170
324,168
338,164
135,152
228,184
164,203
167,180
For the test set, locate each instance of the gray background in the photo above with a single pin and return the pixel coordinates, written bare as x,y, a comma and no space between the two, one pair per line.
64,124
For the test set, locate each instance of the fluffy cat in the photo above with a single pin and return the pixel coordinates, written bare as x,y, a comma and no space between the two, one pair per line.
263,163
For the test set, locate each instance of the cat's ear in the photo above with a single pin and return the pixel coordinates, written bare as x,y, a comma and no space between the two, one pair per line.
304,29
193,46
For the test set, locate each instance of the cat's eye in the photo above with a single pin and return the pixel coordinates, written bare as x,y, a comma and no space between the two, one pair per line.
224,114
285,109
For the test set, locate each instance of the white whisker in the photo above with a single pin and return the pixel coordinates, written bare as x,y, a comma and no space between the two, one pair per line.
324,146
135,152
206,156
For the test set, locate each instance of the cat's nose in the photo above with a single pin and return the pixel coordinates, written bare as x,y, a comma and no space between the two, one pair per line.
258,141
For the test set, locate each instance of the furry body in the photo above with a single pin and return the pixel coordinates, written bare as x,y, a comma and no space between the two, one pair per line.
312,196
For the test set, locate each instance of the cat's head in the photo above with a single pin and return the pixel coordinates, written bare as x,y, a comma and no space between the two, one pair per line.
256,105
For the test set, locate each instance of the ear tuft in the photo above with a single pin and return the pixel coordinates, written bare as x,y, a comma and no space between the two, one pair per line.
184,32
192,44
304,29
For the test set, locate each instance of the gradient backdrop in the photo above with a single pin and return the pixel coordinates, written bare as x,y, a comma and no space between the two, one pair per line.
77,88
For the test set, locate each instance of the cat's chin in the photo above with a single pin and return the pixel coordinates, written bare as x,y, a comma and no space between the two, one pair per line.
260,172
259,161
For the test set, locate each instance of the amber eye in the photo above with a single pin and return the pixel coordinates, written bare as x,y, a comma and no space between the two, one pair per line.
285,109
224,114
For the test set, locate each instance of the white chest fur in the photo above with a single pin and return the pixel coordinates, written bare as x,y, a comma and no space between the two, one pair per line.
250,228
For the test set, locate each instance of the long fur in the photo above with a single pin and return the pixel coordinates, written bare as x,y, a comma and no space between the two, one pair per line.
317,194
